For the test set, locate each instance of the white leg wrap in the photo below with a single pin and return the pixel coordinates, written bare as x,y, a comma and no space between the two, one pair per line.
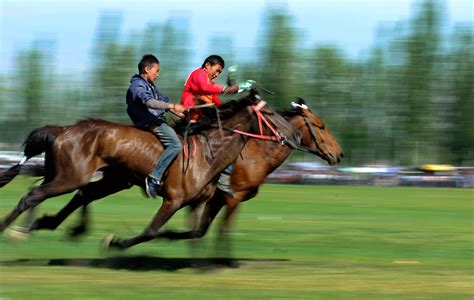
23,160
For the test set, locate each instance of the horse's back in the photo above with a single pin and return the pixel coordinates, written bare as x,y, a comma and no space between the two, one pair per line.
98,143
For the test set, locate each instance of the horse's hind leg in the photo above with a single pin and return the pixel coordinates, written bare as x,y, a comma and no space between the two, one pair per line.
106,186
166,211
36,196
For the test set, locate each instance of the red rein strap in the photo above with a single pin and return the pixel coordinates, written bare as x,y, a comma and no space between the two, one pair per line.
276,137
256,108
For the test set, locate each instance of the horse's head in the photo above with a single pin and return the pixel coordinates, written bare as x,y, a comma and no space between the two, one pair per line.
316,137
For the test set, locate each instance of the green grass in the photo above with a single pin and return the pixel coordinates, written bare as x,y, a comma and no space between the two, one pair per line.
292,242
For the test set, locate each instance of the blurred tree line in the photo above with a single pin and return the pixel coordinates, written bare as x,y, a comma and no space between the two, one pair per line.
408,100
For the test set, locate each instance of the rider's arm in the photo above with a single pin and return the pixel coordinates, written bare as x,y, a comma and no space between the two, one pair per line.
157,104
161,103
147,98
166,105
200,84
216,100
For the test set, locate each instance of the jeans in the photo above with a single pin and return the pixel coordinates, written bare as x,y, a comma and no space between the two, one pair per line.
224,180
228,170
170,141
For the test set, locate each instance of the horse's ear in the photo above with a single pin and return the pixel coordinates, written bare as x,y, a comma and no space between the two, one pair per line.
299,104
254,95
300,100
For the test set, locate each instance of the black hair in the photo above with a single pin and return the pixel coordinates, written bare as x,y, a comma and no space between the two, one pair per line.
148,60
214,60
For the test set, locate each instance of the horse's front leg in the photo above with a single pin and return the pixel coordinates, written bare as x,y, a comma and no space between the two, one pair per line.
224,242
201,223
166,211
83,225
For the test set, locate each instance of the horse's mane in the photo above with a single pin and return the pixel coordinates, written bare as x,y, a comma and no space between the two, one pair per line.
209,115
92,122
89,120
292,111
289,113
207,120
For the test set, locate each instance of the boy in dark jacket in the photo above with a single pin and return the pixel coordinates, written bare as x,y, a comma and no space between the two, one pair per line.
146,107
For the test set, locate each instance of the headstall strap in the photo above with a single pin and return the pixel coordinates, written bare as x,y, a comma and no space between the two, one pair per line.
260,117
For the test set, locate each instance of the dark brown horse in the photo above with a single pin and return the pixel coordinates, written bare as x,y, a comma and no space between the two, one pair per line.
257,160
126,156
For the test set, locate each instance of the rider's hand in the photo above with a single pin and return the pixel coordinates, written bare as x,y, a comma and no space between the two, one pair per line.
178,109
231,89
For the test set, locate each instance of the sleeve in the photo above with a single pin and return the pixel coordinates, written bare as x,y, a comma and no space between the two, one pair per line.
162,97
142,93
201,85
160,103
146,97
216,100
155,104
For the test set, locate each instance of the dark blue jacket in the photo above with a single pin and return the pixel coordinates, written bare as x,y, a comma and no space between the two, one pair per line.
138,93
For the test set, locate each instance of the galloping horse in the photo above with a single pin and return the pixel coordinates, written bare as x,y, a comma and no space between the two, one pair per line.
257,160
126,155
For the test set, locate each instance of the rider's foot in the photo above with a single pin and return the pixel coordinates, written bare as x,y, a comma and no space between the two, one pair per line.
152,187
224,184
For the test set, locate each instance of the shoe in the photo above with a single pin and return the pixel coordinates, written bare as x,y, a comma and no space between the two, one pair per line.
224,184
152,187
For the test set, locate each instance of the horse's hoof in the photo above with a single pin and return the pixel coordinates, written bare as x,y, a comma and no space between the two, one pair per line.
17,234
227,262
106,242
77,231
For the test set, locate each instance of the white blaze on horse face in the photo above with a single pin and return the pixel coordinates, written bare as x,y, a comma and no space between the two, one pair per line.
303,106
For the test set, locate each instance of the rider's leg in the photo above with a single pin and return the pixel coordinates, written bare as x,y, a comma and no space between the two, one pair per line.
224,181
172,146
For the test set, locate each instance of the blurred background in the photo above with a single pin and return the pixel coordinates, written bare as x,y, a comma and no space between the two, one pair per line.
393,79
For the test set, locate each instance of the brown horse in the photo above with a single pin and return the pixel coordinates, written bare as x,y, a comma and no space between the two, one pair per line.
126,156
257,160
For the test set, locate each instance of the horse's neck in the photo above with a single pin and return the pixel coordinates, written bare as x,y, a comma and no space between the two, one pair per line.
223,137
224,145
264,155
269,155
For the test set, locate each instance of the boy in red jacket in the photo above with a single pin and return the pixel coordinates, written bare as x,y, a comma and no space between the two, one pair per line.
200,89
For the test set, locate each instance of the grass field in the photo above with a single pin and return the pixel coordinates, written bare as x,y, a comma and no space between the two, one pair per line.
292,242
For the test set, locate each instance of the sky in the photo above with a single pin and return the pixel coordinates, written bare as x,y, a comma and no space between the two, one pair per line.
349,24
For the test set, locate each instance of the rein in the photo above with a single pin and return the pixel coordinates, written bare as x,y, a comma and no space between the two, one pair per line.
313,136
276,137
260,117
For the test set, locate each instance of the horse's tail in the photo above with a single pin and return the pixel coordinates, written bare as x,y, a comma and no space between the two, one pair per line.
38,141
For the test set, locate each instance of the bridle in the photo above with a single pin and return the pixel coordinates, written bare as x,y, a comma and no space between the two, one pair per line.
276,137
314,136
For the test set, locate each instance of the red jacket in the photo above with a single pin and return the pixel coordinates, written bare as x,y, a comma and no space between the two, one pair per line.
198,89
